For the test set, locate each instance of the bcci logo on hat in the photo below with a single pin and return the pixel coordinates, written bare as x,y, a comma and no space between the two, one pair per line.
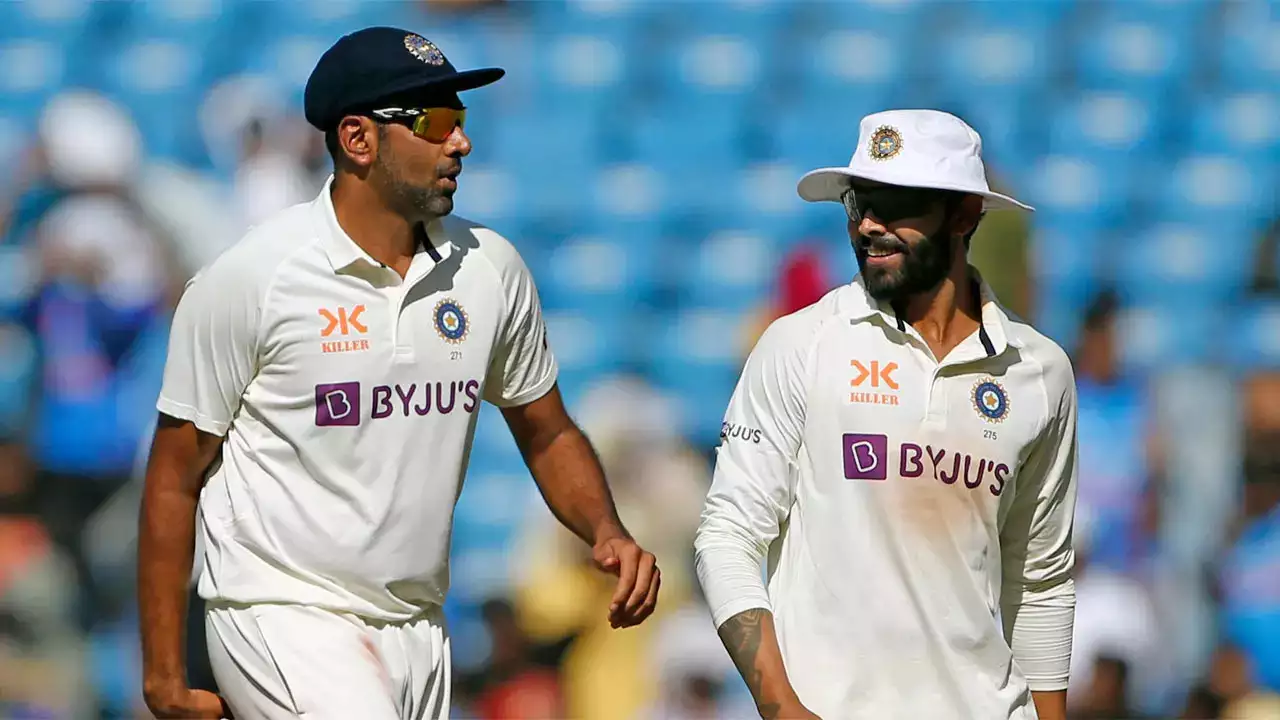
885,143
423,49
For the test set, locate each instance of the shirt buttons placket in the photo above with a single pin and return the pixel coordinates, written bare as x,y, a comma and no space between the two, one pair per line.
401,331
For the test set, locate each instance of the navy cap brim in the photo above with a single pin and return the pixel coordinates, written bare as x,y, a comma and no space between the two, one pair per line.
457,82
408,87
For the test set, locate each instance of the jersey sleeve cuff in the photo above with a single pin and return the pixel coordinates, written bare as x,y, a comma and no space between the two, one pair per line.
534,393
741,604
195,417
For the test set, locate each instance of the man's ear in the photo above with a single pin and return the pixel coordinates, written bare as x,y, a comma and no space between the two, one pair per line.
358,141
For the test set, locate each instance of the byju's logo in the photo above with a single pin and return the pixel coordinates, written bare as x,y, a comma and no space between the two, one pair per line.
338,404
866,457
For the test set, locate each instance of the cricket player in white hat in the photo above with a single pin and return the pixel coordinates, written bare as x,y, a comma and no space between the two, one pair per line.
903,453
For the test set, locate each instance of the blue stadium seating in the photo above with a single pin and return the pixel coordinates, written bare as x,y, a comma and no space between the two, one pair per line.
695,354
599,272
1097,123
31,69
1135,45
1166,336
1165,264
57,20
1088,188
982,55
1232,191
1246,123
1249,54
1257,336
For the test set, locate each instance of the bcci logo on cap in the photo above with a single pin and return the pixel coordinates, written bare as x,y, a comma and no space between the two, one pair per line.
885,143
423,49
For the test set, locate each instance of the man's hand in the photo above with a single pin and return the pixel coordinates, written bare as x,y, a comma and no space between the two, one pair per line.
638,580
183,702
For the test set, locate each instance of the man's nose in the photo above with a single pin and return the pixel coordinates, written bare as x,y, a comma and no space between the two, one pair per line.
871,225
458,142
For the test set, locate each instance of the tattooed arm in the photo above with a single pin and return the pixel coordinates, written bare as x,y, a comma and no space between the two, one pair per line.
752,492
749,638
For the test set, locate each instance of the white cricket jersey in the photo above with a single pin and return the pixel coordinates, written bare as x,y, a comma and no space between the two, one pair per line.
348,399
916,515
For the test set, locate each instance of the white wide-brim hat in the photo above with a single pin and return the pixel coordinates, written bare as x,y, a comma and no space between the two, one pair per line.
911,148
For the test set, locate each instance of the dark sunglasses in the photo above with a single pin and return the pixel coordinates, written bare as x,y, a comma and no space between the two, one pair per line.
890,204
433,124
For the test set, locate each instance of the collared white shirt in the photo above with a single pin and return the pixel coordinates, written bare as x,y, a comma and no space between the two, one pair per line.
908,509
348,399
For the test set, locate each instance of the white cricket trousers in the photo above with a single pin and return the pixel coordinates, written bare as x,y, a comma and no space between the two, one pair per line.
292,661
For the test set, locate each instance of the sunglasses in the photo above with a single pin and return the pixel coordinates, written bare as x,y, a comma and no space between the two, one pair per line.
432,124
890,204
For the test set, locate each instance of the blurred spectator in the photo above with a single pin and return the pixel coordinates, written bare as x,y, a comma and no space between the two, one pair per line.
696,678
520,681
1202,704
97,313
658,484
1116,624
802,280
43,662
1230,681
1250,575
1119,449
271,176
1266,265
1107,697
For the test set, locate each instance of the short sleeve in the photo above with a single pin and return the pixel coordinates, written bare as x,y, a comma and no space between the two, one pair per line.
213,348
523,367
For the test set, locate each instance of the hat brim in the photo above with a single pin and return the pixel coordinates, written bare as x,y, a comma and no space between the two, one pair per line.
457,82
413,86
829,184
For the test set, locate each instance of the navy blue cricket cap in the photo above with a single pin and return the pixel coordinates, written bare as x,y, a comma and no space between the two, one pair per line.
378,63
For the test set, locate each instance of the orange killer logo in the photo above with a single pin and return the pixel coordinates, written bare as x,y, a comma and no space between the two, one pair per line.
343,320
881,376
344,323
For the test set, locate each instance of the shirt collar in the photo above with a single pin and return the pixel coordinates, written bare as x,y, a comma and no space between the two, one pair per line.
995,326
343,252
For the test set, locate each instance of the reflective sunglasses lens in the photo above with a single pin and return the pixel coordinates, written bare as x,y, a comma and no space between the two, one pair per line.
437,124
893,204
850,200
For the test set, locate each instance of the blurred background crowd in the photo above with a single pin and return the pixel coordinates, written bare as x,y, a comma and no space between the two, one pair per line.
643,156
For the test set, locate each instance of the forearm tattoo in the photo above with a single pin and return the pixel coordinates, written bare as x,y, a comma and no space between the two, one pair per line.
741,635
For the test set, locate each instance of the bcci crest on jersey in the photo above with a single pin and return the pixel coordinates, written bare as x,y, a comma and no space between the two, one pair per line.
990,400
451,321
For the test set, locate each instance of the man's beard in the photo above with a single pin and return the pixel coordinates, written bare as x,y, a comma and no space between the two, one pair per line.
923,266
409,199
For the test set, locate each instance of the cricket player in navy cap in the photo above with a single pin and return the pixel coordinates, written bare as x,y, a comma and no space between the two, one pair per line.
317,413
